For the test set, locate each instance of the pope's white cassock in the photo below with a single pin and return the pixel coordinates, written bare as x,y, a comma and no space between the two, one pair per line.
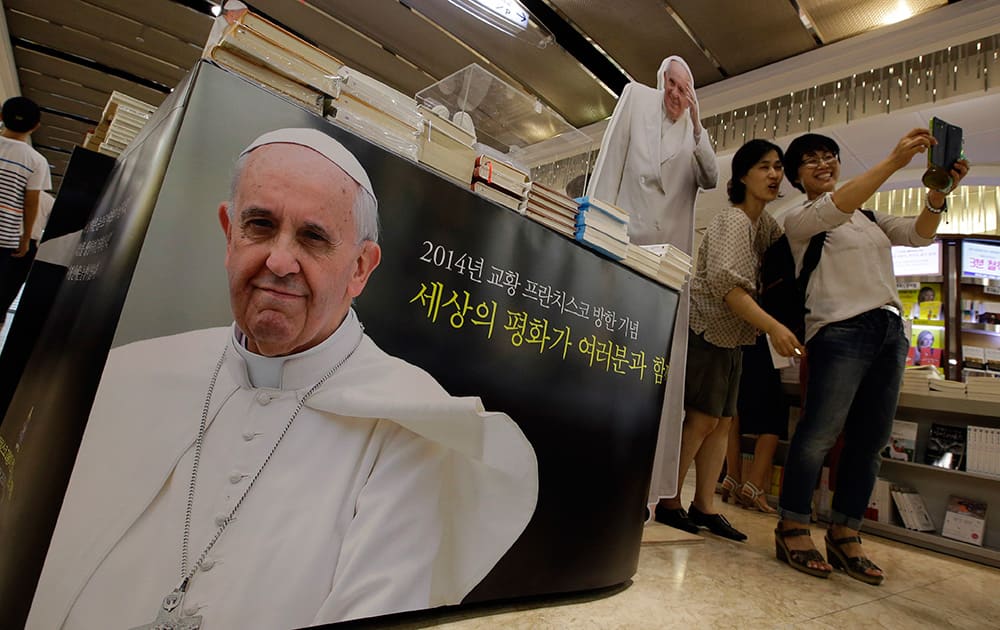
386,494
652,167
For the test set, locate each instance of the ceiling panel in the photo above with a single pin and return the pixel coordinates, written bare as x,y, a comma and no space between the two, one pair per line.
53,85
143,39
64,104
746,35
399,29
172,18
40,138
93,46
67,127
38,62
837,19
638,35
348,45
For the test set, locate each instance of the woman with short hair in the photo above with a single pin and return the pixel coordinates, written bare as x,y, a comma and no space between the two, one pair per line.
855,340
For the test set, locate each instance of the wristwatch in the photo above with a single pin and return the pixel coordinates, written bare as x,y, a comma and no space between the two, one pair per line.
932,209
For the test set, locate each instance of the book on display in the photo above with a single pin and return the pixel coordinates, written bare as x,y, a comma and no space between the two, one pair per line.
251,45
501,175
602,222
289,42
268,79
378,128
912,509
983,449
945,447
352,87
565,228
608,208
498,196
595,239
902,442
965,520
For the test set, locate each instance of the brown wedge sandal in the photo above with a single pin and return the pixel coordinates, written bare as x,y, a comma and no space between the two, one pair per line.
854,566
753,498
798,559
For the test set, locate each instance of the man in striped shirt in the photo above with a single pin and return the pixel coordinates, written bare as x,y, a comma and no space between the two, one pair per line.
24,173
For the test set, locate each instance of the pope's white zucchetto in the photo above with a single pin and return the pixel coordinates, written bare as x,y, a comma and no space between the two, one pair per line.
320,143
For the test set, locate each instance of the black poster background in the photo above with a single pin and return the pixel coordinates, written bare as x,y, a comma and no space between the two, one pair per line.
593,430
85,177
45,419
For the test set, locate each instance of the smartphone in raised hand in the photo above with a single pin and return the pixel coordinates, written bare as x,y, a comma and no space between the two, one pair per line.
942,156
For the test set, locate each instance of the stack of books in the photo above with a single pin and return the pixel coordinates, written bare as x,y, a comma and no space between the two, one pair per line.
270,56
985,389
446,147
376,112
915,379
675,267
122,119
983,448
643,260
552,209
500,182
603,227
946,389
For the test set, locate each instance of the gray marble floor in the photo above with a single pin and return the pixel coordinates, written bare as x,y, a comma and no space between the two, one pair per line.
688,581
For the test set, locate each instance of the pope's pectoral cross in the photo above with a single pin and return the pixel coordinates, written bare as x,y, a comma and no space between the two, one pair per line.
170,616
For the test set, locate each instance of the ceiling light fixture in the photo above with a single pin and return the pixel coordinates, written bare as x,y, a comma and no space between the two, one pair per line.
216,10
900,13
507,16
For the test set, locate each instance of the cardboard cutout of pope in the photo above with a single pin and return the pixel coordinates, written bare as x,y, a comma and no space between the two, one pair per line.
283,471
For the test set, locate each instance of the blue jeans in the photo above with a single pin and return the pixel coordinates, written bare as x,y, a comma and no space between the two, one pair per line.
855,369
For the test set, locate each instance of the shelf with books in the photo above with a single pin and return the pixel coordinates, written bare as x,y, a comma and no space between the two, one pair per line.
935,542
979,328
918,402
938,469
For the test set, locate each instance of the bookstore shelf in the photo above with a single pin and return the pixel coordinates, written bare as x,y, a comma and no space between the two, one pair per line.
981,329
937,469
967,407
935,542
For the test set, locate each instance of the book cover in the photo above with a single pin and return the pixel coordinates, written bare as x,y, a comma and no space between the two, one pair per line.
307,97
880,503
925,345
965,520
902,442
607,208
912,509
498,196
945,447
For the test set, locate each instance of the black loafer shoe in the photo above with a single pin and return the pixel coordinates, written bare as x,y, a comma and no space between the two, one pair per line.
716,523
677,519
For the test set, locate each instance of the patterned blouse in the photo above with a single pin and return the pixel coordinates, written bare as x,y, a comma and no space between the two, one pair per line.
729,257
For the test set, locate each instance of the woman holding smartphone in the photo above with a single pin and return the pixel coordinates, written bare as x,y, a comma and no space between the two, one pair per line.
855,340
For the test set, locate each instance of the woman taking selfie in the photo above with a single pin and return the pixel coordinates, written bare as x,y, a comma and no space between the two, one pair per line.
855,341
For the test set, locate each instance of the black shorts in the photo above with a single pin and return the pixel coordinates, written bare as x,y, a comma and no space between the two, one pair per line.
711,384
763,406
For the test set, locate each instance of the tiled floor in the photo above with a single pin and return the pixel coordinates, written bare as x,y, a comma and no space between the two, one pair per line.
685,582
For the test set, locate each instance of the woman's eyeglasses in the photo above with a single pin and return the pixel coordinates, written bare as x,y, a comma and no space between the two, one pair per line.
818,160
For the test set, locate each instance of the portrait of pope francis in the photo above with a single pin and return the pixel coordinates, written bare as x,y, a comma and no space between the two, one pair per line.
282,471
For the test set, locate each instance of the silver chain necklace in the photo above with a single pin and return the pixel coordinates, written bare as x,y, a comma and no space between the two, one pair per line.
170,614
